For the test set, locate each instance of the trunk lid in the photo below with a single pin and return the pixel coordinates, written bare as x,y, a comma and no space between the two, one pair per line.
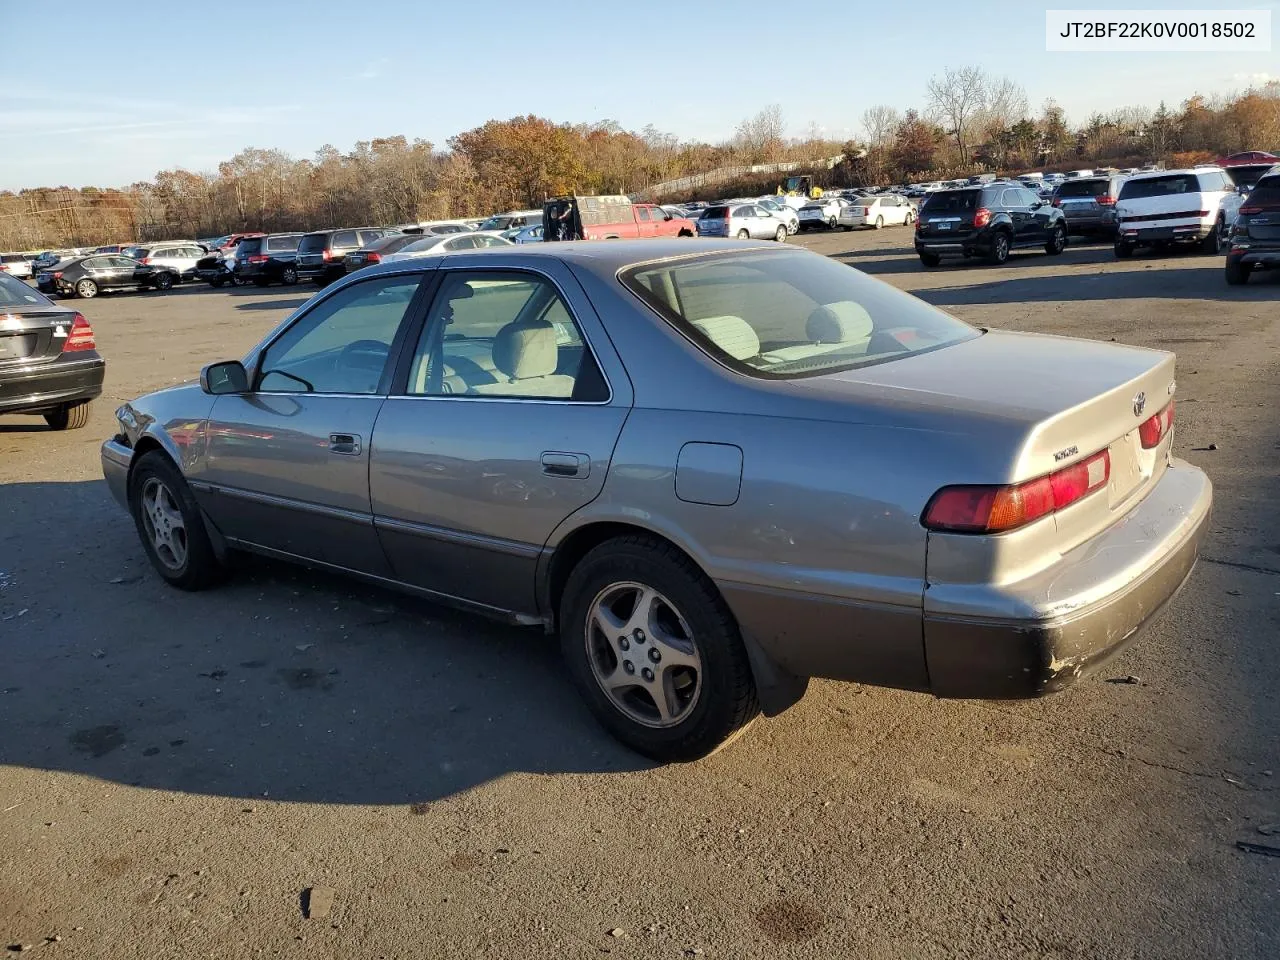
1260,213
33,334
1061,400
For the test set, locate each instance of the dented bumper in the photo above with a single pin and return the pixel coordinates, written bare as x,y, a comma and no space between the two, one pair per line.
1041,635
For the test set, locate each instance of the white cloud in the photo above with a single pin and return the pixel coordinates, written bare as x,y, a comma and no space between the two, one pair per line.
1254,79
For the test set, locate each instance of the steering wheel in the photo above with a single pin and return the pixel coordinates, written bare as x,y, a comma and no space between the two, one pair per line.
368,355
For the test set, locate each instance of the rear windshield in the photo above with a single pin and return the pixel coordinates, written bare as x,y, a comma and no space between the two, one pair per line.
1247,176
714,213
790,314
1083,188
313,243
952,201
283,243
1170,186
496,223
1266,193
15,293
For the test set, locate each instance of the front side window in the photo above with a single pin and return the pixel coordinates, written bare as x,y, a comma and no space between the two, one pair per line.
790,314
503,334
343,344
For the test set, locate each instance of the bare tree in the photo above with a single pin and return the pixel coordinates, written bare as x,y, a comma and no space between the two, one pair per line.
1004,104
880,124
956,99
760,136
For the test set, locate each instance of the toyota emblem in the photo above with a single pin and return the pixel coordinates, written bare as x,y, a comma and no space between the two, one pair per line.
1139,404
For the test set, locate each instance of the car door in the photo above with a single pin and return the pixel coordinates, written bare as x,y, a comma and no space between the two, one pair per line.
501,424
1040,214
1024,225
645,226
126,272
287,462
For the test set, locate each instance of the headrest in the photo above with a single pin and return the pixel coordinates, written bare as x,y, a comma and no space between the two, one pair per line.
731,334
841,322
523,350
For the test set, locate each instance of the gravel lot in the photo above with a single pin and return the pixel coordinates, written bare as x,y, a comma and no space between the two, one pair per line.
176,769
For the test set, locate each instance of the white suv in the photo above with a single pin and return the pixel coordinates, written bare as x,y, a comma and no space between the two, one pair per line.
1198,205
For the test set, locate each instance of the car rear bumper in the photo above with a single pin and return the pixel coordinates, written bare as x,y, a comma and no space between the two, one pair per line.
1265,256
1165,234
116,458
960,246
38,388
1097,598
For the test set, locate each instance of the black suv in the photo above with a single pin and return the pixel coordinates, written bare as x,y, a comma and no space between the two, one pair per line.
1089,203
320,254
989,221
269,259
1255,237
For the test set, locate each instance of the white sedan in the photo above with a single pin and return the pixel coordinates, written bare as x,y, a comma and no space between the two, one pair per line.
451,243
824,212
884,210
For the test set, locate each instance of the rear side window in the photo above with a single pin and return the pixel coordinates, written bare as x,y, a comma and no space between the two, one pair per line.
345,239
952,201
1169,186
1083,188
313,243
285,244
250,247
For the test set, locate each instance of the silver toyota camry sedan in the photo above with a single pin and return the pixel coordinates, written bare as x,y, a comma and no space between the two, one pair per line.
714,468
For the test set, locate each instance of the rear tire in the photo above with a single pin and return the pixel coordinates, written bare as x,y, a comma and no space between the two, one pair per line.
744,235
72,416
999,254
288,276
1123,250
185,557
1212,244
930,259
86,289
780,235
1237,274
707,704
879,223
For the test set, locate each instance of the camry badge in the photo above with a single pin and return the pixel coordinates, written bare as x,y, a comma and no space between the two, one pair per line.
1139,404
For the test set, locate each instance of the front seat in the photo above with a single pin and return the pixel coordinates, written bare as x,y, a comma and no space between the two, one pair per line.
525,357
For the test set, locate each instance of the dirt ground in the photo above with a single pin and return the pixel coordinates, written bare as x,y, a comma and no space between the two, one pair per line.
175,770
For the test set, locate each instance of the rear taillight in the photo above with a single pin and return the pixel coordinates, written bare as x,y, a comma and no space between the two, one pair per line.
373,258
1057,202
146,260
80,336
1156,428
1250,208
1105,201
327,255
58,275
995,509
258,258
981,217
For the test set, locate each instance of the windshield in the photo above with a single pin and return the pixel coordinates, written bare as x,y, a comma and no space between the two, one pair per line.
496,223
1169,186
791,314
952,201
1083,188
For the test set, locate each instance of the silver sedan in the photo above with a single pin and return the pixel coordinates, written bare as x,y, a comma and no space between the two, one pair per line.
715,470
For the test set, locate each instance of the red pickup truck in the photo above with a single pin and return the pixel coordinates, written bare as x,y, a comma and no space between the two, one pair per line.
609,218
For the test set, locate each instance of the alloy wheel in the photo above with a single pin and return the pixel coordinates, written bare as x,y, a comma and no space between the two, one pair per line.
163,522
643,655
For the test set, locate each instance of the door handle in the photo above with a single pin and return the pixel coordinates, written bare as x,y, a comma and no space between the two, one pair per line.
566,464
347,444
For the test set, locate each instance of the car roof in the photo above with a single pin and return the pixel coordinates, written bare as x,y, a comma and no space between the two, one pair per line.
1184,171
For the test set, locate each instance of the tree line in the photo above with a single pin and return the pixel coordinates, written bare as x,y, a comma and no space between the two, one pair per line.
972,121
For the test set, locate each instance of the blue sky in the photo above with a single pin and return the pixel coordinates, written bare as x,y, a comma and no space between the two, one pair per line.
192,86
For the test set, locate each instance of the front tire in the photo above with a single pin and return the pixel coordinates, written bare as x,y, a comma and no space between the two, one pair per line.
744,235
72,416
86,289
930,259
164,281
655,651
1057,241
879,223
170,524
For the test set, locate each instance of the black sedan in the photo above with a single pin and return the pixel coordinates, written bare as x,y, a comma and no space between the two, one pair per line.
89,276
49,362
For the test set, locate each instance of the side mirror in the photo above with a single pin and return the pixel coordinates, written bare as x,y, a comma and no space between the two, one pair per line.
1037,204
226,376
